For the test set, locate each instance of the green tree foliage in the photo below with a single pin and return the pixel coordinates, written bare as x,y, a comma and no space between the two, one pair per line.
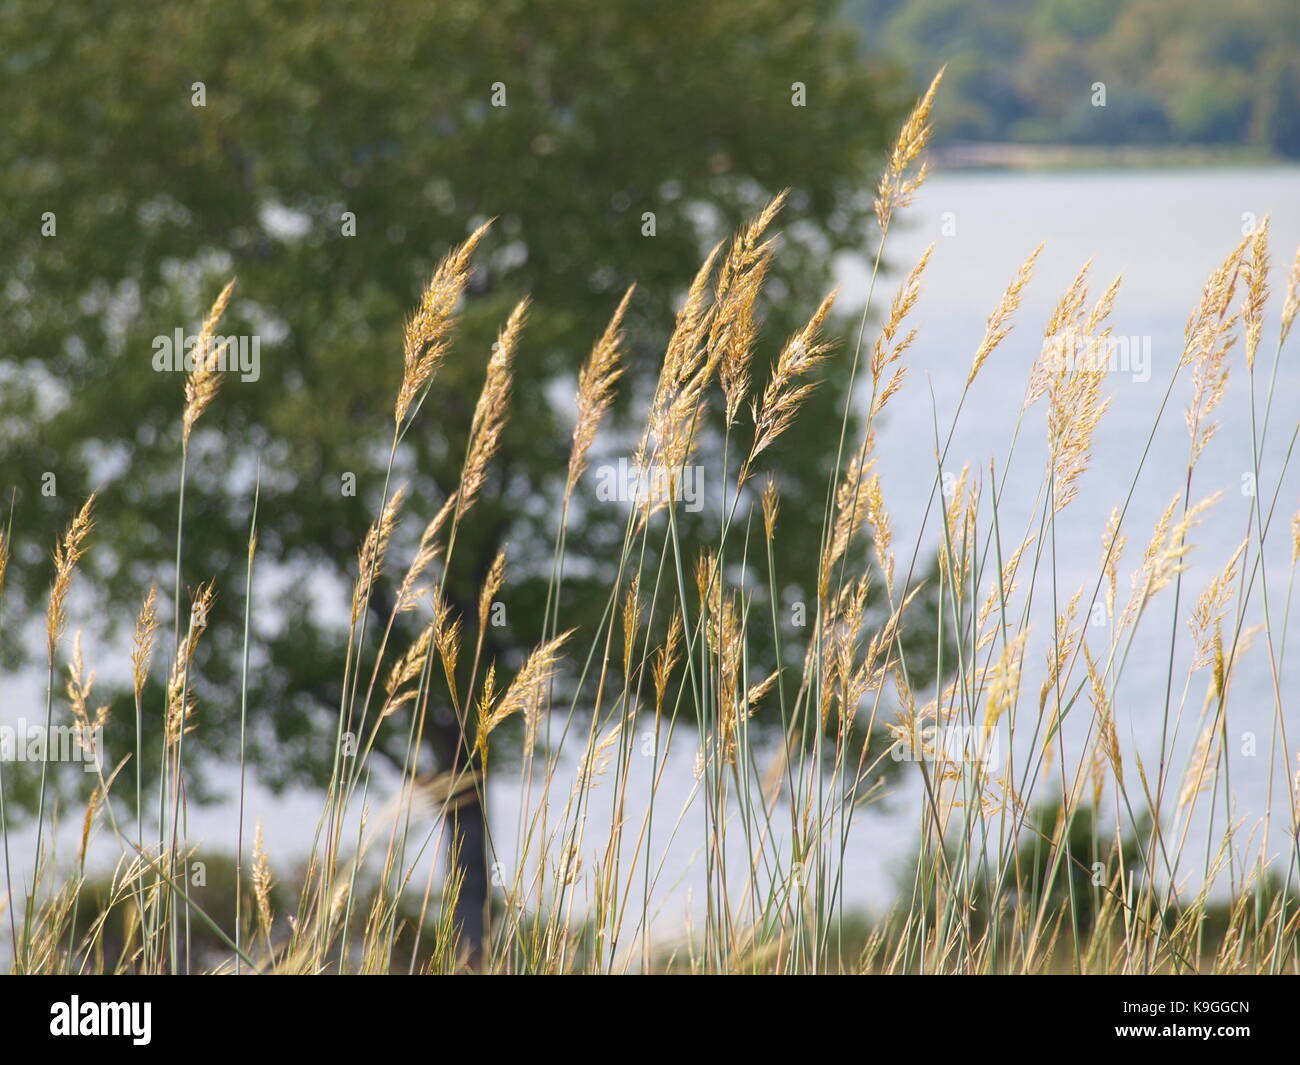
1070,872
1176,71
328,157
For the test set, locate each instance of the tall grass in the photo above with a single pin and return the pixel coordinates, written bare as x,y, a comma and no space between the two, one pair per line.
1034,856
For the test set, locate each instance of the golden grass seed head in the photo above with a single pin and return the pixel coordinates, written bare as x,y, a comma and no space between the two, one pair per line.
202,382
425,337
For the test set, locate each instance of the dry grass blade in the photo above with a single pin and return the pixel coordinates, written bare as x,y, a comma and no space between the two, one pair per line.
490,412
1292,301
999,327
406,669
771,500
146,626
1255,269
1208,323
425,554
673,419
526,692
79,686
1075,407
1004,679
491,586
180,696
560,877
67,552
896,187
739,283
889,346
203,381
850,508
424,341
786,389
370,559
262,882
596,381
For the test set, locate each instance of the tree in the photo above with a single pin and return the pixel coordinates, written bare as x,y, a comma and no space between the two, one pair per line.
1180,71
328,159
1061,865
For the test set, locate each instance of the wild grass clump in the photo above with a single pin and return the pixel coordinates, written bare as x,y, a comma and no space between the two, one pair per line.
1033,856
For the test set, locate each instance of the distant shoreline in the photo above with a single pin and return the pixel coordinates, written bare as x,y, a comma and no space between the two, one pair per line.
1009,156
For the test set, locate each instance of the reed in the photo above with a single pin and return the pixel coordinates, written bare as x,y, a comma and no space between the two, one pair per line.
1035,854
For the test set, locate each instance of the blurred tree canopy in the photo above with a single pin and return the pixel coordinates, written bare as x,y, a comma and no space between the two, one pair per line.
1176,71
178,144
328,156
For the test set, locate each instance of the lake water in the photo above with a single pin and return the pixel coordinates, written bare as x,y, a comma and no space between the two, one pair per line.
1165,230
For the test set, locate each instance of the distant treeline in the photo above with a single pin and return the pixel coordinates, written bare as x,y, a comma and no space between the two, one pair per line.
1178,72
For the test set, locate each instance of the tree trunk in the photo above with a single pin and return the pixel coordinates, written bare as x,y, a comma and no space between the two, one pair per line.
467,846
467,824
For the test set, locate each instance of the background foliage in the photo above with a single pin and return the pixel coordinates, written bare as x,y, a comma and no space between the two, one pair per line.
1176,71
